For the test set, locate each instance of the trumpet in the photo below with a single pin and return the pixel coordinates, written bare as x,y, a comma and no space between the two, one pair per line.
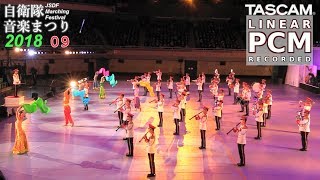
196,115
233,128
155,100
144,137
113,101
119,108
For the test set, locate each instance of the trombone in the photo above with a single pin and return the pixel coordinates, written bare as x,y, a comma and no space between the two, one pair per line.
233,128
155,100
113,101
196,115
144,136
119,108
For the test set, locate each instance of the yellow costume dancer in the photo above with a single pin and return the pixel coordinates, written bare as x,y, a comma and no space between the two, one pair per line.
21,143
147,85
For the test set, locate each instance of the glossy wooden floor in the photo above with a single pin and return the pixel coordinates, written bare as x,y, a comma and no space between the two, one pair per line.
92,149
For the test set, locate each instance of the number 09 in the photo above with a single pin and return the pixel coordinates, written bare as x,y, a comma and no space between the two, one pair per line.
54,41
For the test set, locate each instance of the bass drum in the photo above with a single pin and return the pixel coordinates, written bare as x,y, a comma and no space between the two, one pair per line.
256,87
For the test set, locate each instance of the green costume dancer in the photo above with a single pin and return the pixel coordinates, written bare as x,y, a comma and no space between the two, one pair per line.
102,94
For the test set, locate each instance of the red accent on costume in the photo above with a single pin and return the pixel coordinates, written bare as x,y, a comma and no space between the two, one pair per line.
67,114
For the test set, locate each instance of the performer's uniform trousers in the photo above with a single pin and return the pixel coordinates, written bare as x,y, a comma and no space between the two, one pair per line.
217,115
176,116
67,114
183,109
203,128
151,150
269,108
235,92
120,114
304,128
259,120
265,114
129,136
160,112
241,141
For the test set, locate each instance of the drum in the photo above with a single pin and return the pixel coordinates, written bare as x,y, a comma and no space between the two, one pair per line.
256,87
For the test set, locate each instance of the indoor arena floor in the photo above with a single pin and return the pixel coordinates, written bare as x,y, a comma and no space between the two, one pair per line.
92,149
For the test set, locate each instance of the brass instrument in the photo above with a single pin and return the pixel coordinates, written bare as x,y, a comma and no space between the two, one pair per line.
119,108
233,128
113,101
153,101
118,128
144,137
196,115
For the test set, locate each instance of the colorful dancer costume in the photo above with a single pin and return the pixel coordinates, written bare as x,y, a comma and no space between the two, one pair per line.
21,143
67,109
102,93
84,95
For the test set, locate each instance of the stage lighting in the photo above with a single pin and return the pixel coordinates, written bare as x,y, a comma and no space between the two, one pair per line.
21,50
73,84
31,52
67,52
17,49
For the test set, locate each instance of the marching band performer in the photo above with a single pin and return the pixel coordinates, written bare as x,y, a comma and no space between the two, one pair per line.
187,80
119,103
236,90
217,111
216,74
183,102
159,74
265,111
16,81
242,139
200,85
126,109
129,133
269,97
67,110
150,138
158,89
246,94
176,116
214,89
170,86
160,105
307,105
259,119
220,98
203,76
229,81
203,126
304,128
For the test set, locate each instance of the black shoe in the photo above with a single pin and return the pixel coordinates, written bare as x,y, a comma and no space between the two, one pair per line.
240,111
159,125
216,129
202,147
129,155
175,133
124,139
151,175
302,149
257,138
246,115
240,164
198,101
